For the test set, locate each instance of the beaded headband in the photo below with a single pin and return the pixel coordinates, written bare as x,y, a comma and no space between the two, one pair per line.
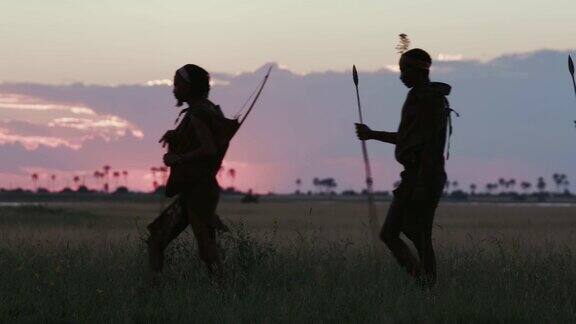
184,74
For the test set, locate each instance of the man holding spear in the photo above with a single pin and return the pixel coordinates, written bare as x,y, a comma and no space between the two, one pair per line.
420,142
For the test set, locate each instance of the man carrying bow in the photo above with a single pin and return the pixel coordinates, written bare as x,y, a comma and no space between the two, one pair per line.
195,152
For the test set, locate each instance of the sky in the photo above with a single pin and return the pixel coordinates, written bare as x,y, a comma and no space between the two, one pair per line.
516,121
131,41
83,85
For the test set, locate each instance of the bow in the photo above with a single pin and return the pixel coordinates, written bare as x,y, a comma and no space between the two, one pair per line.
231,126
258,91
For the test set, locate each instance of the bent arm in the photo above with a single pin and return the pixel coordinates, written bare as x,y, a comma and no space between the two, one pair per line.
207,148
363,132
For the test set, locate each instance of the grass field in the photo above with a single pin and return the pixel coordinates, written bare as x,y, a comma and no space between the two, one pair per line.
286,261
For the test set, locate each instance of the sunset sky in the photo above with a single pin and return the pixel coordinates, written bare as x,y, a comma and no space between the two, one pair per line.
82,85
131,41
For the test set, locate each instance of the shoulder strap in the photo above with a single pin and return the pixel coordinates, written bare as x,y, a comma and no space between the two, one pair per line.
450,128
182,112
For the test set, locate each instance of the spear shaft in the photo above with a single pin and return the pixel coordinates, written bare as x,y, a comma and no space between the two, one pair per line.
372,217
574,84
571,69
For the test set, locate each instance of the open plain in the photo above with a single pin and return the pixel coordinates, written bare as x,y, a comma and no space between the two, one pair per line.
287,260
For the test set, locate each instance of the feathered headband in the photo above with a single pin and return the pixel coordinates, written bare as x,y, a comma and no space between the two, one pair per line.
402,47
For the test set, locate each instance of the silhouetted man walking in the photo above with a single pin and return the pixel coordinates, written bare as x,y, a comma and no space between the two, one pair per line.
420,142
195,152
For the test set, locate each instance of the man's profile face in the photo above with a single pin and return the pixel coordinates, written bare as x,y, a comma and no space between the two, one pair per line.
179,90
408,75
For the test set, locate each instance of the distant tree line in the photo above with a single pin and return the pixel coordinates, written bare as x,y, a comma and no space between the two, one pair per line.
501,187
105,180
108,181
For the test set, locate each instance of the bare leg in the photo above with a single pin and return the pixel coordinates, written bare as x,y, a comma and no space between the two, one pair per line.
200,203
163,230
419,231
428,259
390,234
207,247
423,243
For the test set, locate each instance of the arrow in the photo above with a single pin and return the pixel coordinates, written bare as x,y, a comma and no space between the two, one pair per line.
372,217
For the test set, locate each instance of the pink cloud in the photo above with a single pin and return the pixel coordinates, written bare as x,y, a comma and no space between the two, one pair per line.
22,102
32,142
45,117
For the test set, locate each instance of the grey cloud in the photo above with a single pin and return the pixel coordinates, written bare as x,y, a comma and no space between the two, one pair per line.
517,107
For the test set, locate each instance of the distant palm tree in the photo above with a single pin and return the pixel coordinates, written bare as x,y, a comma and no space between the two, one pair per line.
106,169
98,176
502,183
232,175
454,184
490,187
512,183
473,189
76,180
525,186
298,184
326,185
329,185
35,178
53,179
164,174
125,174
557,178
541,184
561,181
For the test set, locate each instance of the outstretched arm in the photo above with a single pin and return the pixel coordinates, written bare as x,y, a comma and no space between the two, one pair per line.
365,133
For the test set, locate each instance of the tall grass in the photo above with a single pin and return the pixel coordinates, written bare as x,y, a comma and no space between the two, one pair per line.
307,279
